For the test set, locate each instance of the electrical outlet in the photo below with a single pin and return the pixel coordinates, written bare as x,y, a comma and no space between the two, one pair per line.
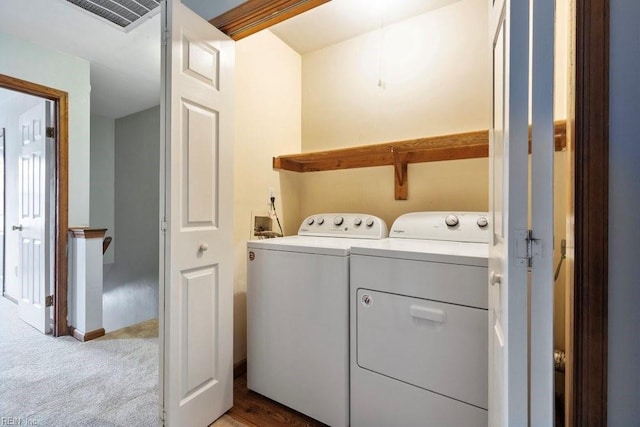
261,224
272,193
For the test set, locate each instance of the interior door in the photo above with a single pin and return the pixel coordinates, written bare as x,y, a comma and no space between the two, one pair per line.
33,209
508,163
541,394
197,199
2,216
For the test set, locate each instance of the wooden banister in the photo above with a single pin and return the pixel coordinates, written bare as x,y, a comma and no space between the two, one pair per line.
105,244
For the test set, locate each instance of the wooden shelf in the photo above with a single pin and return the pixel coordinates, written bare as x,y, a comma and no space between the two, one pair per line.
399,154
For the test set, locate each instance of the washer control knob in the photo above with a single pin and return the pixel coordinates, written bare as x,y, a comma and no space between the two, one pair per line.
357,222
338,220
320,221
310,221
451,220
370,222
482,222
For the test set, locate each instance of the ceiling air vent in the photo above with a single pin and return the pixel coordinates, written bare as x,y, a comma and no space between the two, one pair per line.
122,13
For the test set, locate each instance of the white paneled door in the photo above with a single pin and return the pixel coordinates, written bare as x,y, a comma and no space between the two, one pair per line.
33,211
508,370
520,388
197,200
541,388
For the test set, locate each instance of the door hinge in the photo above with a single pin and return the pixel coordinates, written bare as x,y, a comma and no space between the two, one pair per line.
163,226
51,132
163,416
527,247
48,301
165,37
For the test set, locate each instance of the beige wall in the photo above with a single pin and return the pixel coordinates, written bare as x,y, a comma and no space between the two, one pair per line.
430,77
452,185
267,113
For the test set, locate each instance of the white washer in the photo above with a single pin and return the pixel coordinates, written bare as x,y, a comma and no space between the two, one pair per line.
298,314
419,323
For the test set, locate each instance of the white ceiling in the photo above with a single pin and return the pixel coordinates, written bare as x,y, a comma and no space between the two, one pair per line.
125,66
339,20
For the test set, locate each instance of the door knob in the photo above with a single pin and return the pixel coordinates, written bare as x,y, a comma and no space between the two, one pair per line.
16,227
494,278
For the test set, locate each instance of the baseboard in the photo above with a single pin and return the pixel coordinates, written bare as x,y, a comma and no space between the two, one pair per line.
87,336
240,368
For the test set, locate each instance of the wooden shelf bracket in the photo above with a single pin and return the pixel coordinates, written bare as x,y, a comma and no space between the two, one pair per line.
401,180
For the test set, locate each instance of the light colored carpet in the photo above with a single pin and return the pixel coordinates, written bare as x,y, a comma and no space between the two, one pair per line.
112,381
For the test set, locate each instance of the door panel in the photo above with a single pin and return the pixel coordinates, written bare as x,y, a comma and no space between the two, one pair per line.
2,208
508,386
196,263
35,249
542,217
432,345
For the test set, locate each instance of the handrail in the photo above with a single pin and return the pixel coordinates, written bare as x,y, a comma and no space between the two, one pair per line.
105,244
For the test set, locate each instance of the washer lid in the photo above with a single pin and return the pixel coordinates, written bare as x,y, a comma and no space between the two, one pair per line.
463,253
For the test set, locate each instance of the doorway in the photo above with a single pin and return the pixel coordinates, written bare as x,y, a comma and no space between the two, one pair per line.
58,201
586,263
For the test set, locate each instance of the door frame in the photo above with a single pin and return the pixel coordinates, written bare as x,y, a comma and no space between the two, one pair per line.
588,404
61,196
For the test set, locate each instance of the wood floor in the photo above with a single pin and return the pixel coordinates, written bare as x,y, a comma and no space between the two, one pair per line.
252,409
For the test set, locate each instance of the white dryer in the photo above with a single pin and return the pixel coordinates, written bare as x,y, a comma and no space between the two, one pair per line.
419,323
298,314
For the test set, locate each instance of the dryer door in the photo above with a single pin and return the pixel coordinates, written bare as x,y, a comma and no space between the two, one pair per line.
435,346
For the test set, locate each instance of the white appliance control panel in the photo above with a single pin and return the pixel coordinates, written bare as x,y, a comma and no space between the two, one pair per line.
450,226
351,225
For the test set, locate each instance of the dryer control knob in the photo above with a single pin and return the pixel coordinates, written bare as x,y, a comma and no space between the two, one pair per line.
357,222
310,221
320,221
338,220
370,222
451,220
482,222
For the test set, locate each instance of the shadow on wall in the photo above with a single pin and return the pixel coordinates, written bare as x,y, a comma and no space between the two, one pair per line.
130,285
129,296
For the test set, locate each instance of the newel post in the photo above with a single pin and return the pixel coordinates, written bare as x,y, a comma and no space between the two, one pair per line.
85,282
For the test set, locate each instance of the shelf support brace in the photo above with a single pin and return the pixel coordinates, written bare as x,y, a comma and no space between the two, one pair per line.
400,174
